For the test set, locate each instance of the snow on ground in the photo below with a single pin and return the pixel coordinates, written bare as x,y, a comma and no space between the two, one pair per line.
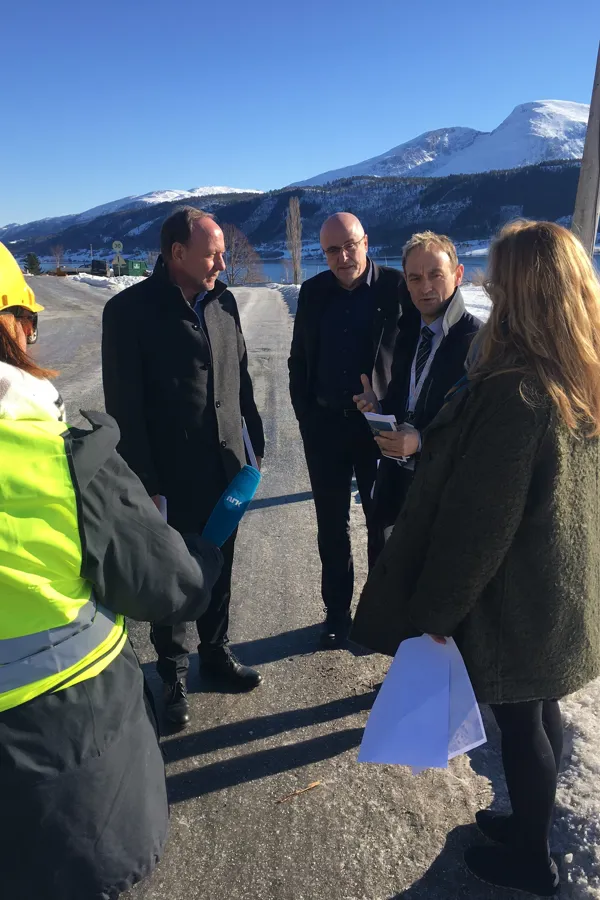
477,301
577,827
114,284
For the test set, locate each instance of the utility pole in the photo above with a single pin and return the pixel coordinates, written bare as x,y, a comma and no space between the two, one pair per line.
587,204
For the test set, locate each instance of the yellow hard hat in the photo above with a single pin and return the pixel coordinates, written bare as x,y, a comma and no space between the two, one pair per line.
14,290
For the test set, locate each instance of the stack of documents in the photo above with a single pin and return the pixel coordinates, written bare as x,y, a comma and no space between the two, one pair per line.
426,712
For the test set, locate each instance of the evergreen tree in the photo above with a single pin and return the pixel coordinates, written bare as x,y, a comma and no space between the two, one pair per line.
32,264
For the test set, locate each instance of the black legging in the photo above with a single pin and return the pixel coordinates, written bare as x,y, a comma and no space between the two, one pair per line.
532,744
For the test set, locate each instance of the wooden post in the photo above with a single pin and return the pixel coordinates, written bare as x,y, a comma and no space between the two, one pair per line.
587,204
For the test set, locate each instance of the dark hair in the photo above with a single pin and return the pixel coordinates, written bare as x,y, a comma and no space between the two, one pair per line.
11,353
177,228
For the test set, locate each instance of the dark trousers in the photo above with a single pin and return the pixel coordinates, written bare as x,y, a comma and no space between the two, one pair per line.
170,641
336,446
532,744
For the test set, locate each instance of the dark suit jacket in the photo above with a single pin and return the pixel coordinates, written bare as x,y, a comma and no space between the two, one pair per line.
178,399
391,300
447,368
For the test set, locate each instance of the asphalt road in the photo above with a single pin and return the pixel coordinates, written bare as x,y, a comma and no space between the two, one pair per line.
365,832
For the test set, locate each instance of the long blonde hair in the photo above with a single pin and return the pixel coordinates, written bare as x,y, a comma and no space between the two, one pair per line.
545,318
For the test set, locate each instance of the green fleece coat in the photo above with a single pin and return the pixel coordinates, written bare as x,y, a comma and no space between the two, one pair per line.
498,545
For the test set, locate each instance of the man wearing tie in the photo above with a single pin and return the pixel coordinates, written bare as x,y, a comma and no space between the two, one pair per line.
429,358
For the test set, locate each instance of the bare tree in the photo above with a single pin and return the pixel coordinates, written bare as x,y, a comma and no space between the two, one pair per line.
293,232
58,251
243,263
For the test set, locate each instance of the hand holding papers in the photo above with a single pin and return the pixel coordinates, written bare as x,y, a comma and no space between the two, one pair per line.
426,712
379,423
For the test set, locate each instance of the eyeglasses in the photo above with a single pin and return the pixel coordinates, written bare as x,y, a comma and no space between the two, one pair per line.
350,247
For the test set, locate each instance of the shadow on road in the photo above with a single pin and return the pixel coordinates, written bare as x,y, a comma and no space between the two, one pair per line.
250,730
253,766
281,501
280,646
448,877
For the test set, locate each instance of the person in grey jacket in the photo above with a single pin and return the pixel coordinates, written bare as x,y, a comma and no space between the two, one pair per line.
497,544
175,373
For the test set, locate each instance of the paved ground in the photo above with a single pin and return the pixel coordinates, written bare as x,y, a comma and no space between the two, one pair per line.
366,832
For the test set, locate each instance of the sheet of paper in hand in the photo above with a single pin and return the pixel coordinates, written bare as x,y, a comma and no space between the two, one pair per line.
425,712
379,423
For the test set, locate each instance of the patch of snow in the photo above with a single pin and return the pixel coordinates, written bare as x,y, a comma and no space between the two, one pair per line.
112,283
140,228
480,251
577,826
476,300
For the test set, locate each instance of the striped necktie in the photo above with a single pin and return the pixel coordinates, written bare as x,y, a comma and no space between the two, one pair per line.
423,351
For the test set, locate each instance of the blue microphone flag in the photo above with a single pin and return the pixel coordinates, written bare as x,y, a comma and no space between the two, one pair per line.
231,506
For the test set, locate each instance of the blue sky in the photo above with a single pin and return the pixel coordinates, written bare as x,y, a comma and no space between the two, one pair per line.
103,100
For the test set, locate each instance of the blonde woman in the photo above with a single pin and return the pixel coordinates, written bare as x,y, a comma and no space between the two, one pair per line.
498,543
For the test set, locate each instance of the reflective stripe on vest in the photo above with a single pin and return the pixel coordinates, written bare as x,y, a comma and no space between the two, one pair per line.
13,650
58,657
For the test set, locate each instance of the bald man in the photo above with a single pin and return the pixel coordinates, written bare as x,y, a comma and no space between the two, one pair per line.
346,325
176,379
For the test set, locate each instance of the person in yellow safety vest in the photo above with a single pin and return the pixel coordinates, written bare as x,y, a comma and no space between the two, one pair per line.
82,546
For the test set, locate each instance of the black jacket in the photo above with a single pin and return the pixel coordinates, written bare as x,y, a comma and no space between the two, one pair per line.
179,398
391,299
447,368
81,773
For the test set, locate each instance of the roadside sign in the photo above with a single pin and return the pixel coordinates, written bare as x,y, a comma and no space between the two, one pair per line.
118,246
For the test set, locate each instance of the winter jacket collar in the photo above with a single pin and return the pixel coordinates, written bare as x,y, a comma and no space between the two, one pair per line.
455,311
162,280
23,396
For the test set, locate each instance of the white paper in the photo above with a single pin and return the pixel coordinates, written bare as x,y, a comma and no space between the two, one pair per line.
248,445
426,712
162,506
381,422
466,729
408,725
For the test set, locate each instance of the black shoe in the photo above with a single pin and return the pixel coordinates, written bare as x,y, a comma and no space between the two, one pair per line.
497,827
177,708
336,629
221,662
506,868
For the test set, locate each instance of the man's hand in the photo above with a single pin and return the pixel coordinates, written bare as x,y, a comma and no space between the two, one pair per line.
259,460
404,442
367,401
438,638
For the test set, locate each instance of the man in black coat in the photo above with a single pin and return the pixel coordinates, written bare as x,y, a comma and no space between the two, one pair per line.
176,379
346,323
429,358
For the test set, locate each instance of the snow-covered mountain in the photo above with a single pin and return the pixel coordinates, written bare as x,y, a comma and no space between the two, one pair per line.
138,201
532,133
15,231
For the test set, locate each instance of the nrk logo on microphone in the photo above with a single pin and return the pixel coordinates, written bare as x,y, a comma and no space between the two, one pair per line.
233,501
